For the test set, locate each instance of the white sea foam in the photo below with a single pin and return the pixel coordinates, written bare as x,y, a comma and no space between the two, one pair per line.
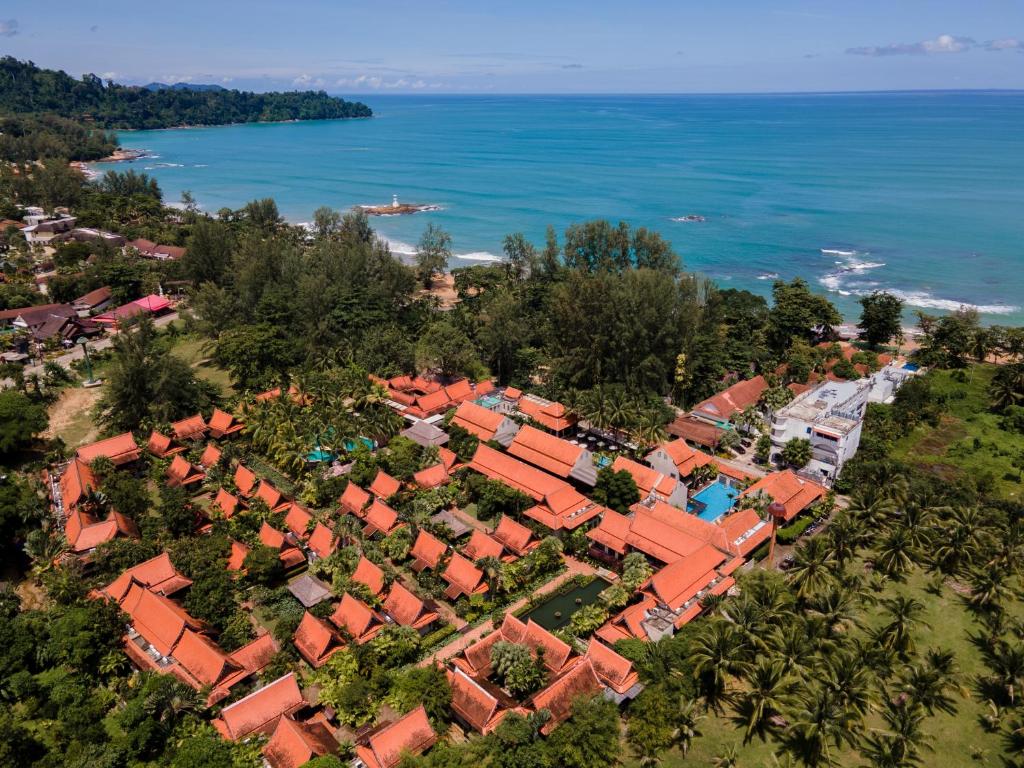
837,252
928,301
405,250
477,256
163,165
768,276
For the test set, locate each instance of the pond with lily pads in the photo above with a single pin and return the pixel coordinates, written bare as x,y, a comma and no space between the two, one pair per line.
556,612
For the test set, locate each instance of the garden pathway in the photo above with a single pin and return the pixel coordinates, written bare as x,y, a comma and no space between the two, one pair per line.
573,568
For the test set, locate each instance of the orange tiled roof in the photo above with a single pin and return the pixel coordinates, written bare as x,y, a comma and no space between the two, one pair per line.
181,472
369,575
514,536
192,428
685,458
237,557
160,621
463,577
431,477
477,420
613,670
380,518
203,660
245,480
297,520
120,450
745,530
427,551
795,493
226,502
85,533
566,508
409,734
211,455
76,483
354,499
161,446
294,744
647,480
551,416
384,486
558,697
271,496
448,458
259,711
735,399
480,545
680,581
546,451
407,609
316,640
512,393
515,474
223,424
322,541
157,574
360,621
474,704
271,537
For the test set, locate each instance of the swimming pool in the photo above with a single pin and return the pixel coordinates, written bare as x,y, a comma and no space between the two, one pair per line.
712,502
489,402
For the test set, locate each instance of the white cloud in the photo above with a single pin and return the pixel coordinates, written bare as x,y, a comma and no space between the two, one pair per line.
1006,44
109,75
9,28
308,81
941,44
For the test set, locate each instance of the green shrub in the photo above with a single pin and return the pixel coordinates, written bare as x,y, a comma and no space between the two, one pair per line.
790,533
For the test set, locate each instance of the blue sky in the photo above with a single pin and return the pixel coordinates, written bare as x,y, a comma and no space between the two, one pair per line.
531,46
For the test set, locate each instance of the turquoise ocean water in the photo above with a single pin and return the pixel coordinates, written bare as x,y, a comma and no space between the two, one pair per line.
919,193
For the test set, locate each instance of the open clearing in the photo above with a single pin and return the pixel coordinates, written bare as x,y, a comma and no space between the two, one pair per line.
71,416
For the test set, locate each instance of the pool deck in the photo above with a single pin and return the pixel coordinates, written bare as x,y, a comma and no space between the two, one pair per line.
573,568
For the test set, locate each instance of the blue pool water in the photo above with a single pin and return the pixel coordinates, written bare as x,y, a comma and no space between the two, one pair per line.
319,454
488,401
714,501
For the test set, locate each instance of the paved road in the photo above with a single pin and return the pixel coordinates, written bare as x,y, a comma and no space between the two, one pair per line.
75,353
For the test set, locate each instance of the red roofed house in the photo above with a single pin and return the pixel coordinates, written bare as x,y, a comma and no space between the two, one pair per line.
463,578
552,454
381,518
236,560
477,706
480,545
515,537
477,657
384,486
677,459
359,621
120,450
720,409
76,482
272,497
226,502
369,575
653,484
322,542
245,480
485,424
192,428
795,493
297,520
565,509
384,746
745,531
515,474
223,424
616,672
407,610
293,744
157,574
316,640
427,551
354,500
431,477
558,698
291,556
552,416
161,446
260,711
181,472
211,456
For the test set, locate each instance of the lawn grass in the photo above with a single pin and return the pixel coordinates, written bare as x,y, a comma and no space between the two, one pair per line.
969,440
193,350
957,739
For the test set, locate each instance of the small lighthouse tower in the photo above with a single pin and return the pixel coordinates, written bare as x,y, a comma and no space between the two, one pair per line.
394,201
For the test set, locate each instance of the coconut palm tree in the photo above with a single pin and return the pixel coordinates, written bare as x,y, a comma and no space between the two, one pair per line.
718,652
930,680
958,541
764,698
871,507
813,567
845,536
902,615
687,720
850,679
837,606
989,589
820,726
1006,662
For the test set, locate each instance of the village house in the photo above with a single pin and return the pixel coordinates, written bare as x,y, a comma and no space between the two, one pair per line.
796,494
151,250
385,745
653,484
92,302
295,743
260,711
120,449
554,455
485,424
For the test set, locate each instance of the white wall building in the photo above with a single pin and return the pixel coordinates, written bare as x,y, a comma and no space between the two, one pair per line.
831,416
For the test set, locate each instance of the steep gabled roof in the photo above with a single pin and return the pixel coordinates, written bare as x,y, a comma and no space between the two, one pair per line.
85,533
409,734
380,518
322,541
680,581
223,423
316,640
120,450
477,420
161,445
558,697
211,455
157,574
613,670
514,536
648,481
270,496
227,503
160,621
294,744
735,399
546,451
192,428
297,519
407,609
427,550
181,472
259,711
369,575
463,577
431,477
515,474
480,545
245,480
237,557
553,416
794,493
745,530
354,499
76,483
360,621
473,703
203,660
384,486
684,457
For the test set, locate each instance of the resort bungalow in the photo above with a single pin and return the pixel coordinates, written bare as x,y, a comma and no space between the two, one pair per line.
293,744
226,502
552,454
427,552
211,456
653,484
260,711
161,446
382,519
384,486
192,428
290,555
480,706
120,449
463,578
551,416
322,542
385,745
223,424
182,472
272,497
407,610
515,537
796,494
297,520
431,477
353,500
245,480
677,459
370,575
481,546
721,409
487,425
425,434
359,622
151,250
316,640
